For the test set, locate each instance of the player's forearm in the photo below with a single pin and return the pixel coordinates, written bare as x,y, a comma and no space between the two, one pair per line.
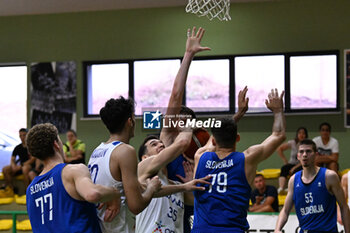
100,193
345,216
179,83
169,189
143,202
238,115
167,155
281,221
279,123
183,140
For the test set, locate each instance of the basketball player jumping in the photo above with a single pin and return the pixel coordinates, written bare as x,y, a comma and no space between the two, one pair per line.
223,207
155,156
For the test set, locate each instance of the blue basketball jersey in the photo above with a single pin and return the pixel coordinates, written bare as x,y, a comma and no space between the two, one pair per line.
223,206
175,167
51,209
314,205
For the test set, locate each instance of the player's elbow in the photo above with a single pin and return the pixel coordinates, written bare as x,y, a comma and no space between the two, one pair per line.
184,143
280,136
93,196
136,209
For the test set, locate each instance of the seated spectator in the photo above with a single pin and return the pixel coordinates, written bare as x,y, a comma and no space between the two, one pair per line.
327,148
26,169
264,197
74,149
36,169
293,165
18,161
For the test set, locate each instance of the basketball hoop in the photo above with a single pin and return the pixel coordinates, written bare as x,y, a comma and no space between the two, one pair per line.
211,8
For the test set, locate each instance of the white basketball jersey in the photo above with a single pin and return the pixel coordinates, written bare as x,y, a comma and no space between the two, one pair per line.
101,174
164,214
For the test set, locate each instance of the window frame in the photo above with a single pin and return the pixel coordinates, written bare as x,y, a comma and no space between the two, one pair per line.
232,93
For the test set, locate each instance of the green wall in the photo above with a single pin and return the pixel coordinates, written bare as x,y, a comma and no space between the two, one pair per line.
267,27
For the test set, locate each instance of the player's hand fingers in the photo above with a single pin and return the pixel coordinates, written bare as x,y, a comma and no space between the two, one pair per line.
100,206
199,188
200,181
180,177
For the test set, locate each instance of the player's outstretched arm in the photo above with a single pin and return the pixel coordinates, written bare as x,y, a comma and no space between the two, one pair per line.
78,183
152,165
193,46
242,104
275,104
137,198
333,185
288,204
257,153
187,187
207,147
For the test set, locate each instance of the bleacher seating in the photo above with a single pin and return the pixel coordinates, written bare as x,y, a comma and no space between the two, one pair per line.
270,173
24,225
5,224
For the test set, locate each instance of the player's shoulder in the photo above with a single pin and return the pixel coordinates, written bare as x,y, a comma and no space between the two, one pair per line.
123,149
201,151
145,162
74,168
291,180
331,175
123,154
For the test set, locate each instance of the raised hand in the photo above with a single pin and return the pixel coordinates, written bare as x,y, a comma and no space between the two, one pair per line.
242,104
275,102
192,185
188,168
193,45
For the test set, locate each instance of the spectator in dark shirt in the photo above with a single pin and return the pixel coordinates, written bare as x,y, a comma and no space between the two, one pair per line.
19,160
264,197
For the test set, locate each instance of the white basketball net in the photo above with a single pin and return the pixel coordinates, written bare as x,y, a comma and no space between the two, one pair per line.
211,8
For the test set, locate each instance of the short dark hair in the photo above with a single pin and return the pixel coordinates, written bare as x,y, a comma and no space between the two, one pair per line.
259,175
72,131
40,140
308,142
116,112
325,124
143,148
225,135
23,130
187,111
